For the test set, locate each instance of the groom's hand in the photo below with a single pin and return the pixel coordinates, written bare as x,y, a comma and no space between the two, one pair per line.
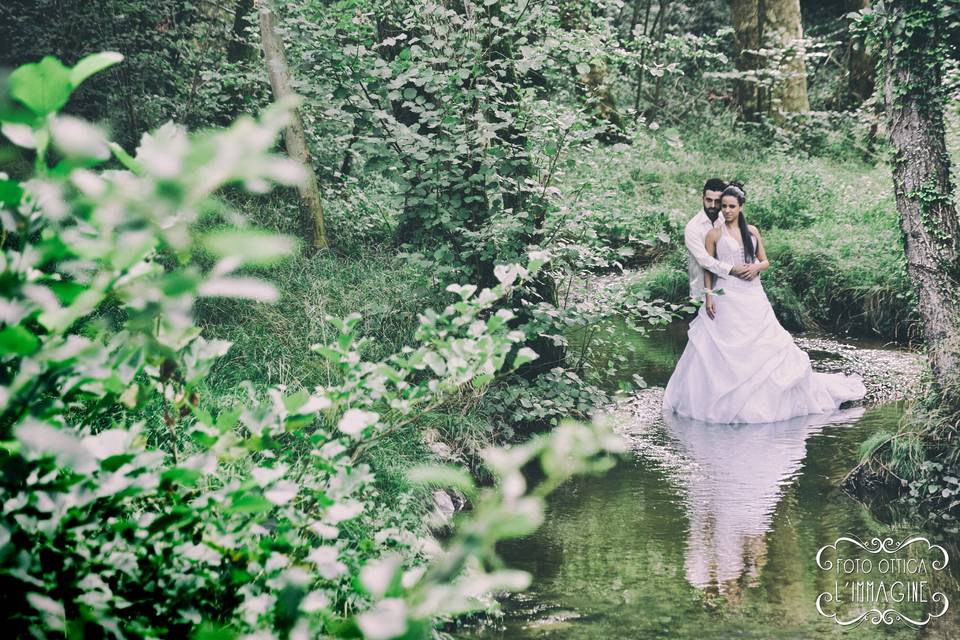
745,271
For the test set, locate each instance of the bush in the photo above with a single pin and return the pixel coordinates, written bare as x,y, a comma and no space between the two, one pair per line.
792,199
135,505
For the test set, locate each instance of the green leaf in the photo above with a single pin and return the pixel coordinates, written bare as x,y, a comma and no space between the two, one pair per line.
442,476
177,518
92,64
210,632
249,503
525,355
125,158
481,380
19,341
254,247
180,475
295,401
43,87
113,463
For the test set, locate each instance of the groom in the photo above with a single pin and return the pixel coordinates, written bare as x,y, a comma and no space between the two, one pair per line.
694,235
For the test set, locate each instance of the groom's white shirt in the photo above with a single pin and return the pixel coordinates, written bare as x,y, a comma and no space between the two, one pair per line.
698,260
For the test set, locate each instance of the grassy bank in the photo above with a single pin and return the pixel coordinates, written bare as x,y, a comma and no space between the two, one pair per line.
829,223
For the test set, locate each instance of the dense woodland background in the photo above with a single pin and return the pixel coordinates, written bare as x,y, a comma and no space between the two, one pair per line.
445,141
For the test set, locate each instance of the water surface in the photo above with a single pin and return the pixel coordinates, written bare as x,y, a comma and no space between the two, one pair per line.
708,532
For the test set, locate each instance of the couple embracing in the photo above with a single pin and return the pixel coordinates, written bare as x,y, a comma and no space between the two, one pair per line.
740,364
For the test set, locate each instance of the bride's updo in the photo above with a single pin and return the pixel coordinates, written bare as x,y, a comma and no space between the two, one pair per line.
735,189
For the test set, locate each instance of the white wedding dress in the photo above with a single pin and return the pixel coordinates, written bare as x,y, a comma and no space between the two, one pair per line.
743,366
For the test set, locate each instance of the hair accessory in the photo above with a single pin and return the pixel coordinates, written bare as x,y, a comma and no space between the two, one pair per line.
738,190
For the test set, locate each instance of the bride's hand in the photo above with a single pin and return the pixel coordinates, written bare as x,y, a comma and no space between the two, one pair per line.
711,307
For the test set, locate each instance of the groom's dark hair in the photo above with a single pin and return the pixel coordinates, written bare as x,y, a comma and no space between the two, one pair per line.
714,184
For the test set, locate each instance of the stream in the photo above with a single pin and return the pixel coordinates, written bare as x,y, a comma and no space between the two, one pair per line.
713,533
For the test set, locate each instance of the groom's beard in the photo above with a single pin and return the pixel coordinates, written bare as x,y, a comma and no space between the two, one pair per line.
713,214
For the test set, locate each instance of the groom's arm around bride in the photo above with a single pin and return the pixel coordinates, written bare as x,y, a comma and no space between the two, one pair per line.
694,236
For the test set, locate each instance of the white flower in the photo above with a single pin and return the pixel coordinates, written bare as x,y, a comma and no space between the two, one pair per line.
332,449
162,152
276,561
105,444
315,404
79,138
412,576
354,421
327,561
324,530
377,575
265,475
343,511
282,492
255,607
314,601
386,620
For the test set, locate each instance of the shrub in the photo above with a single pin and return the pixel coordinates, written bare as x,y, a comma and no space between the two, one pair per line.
133,506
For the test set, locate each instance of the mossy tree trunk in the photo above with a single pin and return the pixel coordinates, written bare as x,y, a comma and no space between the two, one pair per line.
294,137
760,24
921,174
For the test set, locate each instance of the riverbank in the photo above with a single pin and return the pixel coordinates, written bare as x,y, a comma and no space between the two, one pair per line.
829,223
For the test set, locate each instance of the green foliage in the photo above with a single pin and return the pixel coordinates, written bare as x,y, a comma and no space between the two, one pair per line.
847,137
521,405
920,462
251,514
920,32
181,60
793,201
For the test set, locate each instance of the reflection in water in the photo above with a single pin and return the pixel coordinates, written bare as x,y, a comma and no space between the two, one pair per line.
734,488
705,534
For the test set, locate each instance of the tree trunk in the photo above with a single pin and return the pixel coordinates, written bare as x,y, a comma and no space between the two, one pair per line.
294,138
239,48
643,56
769,23
921,175
665,6
860,64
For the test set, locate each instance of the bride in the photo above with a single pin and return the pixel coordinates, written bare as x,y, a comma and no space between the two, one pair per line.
740,364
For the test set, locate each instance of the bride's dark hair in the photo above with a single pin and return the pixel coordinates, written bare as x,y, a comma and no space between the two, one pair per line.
735,189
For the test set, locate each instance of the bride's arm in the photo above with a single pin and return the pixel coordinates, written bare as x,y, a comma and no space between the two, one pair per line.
764,264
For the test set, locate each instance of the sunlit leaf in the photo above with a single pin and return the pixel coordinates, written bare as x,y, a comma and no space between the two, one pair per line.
249,288
43,87
251,246
92,64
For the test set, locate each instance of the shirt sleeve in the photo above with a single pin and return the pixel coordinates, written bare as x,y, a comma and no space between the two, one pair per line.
696,247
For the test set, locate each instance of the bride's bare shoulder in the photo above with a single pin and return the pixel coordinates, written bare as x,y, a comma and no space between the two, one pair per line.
713,234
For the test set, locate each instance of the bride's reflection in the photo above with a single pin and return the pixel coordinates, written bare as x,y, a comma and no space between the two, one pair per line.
732,494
